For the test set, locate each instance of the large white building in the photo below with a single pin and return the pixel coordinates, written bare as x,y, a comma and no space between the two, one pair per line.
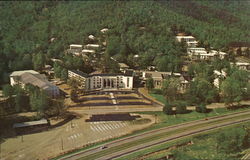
103,81
32,77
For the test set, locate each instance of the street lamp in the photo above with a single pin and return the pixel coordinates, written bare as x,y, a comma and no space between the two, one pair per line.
155,118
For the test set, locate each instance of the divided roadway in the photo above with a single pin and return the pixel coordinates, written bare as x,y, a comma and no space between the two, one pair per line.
125,146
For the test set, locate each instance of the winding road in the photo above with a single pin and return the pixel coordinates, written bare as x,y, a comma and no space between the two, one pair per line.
190,128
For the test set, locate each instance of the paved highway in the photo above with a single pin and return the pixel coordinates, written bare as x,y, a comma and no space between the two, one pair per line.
132,138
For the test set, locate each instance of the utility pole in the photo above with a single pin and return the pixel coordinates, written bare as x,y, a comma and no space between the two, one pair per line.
71,123
155,118
0,147
62,143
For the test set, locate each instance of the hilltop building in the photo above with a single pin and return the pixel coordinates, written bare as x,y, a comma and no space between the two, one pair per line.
240,48
189,40
202,54
242,65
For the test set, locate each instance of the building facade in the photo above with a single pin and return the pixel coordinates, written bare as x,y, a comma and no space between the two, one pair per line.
102,81
79,76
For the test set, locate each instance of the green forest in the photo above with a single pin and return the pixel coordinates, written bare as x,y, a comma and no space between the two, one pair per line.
146,28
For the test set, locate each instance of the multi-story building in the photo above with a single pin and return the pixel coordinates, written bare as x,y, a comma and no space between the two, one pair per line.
102,81
79,76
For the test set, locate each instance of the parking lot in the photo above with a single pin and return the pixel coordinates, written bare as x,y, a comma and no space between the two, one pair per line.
74,134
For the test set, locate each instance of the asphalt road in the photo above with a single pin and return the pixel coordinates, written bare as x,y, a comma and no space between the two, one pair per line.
114,109
132,138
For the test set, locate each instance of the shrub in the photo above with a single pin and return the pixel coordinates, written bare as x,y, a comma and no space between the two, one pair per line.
168,109
201,108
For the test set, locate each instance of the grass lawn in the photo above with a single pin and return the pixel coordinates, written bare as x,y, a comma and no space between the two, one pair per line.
164,120
159,97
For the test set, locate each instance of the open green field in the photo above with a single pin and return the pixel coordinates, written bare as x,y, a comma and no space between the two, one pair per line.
163,120
159,97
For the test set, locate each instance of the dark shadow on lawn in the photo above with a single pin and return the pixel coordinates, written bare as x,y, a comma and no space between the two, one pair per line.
206,111
238,107
111,104
127,97
93,98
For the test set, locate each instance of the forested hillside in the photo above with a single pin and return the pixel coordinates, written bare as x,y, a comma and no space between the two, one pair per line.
31,31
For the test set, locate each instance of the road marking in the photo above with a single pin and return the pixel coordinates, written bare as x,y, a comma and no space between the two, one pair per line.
92,128
104,126
124,124
103,129
109,126
95,128
117,125
99,128
112,125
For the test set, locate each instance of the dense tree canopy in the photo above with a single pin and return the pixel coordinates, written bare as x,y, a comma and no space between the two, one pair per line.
31,31
235,87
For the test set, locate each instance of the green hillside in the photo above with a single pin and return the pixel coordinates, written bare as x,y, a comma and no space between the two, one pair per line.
145,28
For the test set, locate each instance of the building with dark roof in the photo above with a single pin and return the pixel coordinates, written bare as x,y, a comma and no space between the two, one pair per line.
240,48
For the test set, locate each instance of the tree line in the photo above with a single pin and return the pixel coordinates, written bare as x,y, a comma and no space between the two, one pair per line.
232,89
34,32
30,98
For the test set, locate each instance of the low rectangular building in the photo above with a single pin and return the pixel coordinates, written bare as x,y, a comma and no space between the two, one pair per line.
32,77
242,65
185,38
202,54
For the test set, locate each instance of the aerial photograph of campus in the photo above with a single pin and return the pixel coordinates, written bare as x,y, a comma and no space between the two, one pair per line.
125,80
